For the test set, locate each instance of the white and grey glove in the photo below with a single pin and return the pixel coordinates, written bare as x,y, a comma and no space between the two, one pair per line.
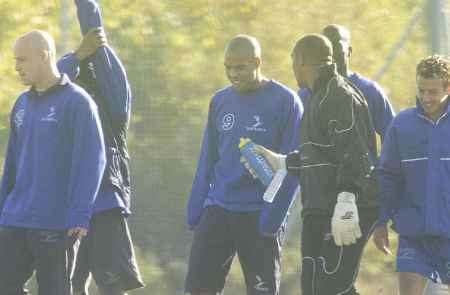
345,221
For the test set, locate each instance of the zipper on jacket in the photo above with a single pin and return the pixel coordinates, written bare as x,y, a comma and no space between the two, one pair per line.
431,121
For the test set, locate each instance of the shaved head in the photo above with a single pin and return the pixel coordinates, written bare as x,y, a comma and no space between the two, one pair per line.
243,63
36,58
38,41
341,40
314,49
337,33
245,46
310,52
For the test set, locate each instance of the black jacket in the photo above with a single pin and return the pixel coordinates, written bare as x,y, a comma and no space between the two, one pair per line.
337,146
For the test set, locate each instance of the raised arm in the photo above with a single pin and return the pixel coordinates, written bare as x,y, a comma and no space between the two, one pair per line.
111,78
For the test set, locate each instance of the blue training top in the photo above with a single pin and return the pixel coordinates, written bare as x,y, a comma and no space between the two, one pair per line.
269,116
55,159
414,174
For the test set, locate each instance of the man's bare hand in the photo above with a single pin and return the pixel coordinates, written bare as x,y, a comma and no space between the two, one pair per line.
276,161
93,40
77,232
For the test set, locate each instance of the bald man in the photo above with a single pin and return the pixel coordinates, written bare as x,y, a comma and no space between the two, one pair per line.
225,203
52,172
380,108
335,164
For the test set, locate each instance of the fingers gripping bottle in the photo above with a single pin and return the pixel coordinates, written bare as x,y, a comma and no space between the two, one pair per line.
256,161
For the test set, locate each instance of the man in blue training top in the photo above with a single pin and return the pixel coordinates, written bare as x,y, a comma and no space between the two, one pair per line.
107,251
226,201
53,170
380,108
414,178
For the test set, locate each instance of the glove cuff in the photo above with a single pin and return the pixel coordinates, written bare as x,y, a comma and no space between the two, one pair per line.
346,197
282,162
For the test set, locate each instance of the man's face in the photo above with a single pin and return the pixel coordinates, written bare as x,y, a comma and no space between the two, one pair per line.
241,70
340,39
299,68
432,95
341,54
28,62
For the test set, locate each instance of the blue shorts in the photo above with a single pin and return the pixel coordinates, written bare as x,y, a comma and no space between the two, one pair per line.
428,256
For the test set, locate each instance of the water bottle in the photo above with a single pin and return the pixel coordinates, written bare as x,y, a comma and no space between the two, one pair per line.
256,161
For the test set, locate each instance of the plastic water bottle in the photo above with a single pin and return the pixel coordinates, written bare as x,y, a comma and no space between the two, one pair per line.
256,161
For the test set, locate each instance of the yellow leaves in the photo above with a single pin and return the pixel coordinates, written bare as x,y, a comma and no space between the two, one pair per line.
178,40
209,42
37,20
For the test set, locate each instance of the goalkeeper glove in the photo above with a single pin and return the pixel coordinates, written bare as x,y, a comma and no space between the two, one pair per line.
345,221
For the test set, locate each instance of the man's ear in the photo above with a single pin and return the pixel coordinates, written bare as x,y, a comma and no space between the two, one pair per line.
45,55
257,61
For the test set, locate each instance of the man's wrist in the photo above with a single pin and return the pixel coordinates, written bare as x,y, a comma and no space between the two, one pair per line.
293,162
346,197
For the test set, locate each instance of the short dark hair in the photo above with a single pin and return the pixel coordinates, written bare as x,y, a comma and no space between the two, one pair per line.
315,48
434,67
244,44
337,33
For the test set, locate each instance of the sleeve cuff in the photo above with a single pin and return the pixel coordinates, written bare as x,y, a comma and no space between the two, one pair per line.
78,219
383,216
292,162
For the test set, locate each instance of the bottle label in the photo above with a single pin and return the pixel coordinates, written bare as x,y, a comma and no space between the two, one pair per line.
256,161
274,185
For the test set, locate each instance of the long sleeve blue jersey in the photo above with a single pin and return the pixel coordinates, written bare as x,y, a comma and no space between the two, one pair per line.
269,116
414,174
55,159
380,108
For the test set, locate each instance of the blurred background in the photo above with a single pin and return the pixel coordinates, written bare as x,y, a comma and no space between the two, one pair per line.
173,54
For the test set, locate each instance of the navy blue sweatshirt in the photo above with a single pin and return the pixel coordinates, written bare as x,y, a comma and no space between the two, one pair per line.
269,116
55,159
